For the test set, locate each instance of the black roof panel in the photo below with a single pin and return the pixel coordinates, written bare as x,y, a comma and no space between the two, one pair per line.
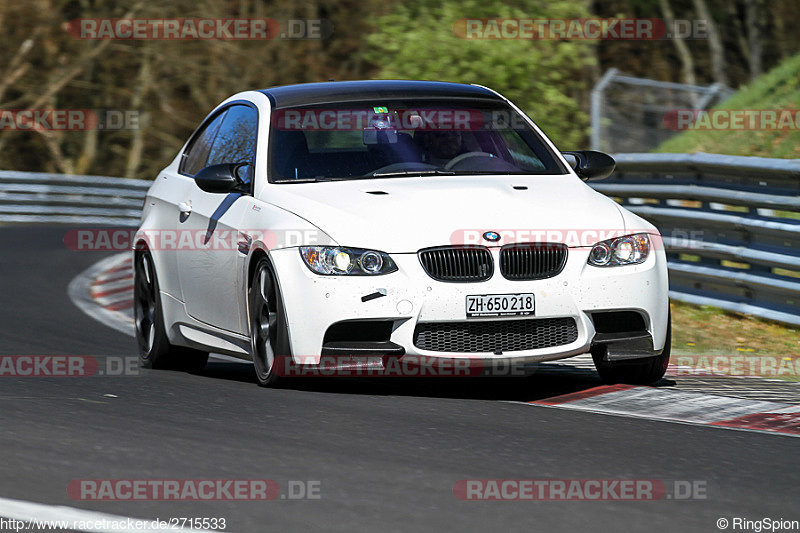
350,91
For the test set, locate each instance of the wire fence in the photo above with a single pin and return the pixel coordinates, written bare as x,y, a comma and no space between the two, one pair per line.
633,114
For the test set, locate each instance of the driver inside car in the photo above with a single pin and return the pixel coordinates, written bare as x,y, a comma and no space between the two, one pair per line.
439,147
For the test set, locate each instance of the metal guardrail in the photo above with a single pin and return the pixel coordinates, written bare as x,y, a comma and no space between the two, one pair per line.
731,225
57,198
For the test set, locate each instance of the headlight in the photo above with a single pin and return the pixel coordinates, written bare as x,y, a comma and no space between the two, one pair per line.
628,250
339,261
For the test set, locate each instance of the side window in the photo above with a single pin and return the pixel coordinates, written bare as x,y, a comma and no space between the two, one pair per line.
195,157
236,140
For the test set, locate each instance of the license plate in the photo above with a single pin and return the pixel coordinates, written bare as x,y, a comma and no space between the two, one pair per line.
520,304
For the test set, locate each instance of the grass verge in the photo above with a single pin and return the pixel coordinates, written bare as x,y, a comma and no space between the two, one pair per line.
699,331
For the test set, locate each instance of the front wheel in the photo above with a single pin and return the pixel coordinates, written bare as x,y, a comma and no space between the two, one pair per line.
645,371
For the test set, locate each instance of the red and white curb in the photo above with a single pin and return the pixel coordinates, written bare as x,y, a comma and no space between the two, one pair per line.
105,292
681,406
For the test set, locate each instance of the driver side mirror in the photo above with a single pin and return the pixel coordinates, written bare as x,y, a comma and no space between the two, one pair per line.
223,178
590,165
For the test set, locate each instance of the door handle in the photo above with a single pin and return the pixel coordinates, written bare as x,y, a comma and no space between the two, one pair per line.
185,208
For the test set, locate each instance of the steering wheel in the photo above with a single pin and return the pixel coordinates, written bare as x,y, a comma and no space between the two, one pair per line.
459,158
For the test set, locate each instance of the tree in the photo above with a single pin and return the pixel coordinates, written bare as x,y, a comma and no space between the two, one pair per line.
546,78
171,84
680,44
715,46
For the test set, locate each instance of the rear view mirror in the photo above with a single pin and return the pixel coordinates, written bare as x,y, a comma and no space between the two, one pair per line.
222,178
590,165
382,128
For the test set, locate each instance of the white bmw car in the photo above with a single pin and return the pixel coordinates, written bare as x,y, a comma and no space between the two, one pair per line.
392,221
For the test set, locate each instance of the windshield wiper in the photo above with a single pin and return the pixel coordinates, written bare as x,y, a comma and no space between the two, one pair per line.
299,180
311,180
499,173
432,172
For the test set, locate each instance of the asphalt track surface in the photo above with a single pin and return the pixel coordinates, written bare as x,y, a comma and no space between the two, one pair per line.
386,453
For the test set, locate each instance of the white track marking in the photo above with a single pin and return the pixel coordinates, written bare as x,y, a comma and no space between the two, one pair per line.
792,409
30,511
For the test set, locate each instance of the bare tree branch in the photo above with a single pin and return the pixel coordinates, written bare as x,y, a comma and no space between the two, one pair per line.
715,46
687,63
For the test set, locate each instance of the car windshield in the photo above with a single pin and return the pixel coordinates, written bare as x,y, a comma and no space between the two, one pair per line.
386,139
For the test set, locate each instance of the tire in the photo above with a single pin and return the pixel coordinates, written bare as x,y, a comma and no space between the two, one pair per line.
155,350
645,371
269,339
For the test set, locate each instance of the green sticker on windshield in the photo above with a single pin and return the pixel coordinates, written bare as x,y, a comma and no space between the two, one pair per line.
380,109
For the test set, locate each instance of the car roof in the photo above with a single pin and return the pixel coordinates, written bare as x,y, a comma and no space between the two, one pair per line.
350,91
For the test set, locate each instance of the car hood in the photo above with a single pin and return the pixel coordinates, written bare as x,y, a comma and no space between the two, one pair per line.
403,215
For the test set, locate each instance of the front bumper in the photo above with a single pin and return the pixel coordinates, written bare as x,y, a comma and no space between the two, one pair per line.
314,303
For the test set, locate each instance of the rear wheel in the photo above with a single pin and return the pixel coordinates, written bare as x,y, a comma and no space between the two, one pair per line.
268,332
155,350
644,371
